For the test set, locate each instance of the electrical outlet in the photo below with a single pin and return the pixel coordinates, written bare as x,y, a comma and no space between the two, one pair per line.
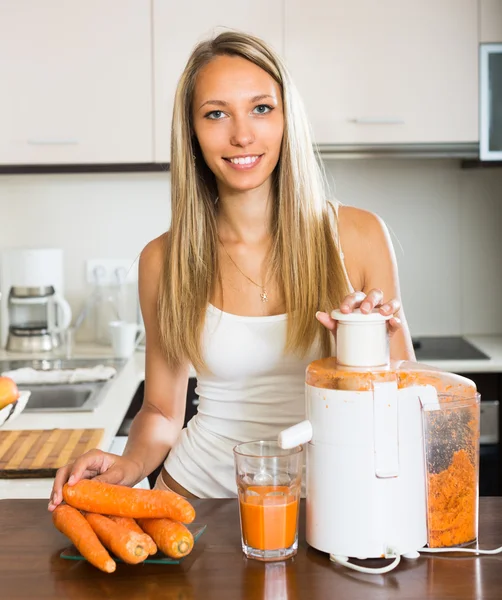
108,271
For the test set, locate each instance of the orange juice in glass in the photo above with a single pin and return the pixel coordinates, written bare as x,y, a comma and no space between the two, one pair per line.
269,484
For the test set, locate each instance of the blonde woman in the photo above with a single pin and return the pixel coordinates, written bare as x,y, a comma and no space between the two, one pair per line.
242,285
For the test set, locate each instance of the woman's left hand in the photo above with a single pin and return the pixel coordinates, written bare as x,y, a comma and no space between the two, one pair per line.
366,303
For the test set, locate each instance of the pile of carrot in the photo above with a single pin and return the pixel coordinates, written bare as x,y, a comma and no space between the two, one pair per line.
131,523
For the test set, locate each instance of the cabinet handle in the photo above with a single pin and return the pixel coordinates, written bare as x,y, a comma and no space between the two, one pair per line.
377,121
52,142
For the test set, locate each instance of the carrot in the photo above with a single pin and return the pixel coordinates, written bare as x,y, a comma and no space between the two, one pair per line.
131,524
172,538
122,501
74,525
124,543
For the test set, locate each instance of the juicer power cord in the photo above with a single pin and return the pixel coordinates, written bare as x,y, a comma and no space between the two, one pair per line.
471,550
343,560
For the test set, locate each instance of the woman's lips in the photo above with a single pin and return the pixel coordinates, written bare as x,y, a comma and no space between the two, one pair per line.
243,166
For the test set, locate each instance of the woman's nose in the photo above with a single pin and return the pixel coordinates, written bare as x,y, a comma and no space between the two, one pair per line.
242,132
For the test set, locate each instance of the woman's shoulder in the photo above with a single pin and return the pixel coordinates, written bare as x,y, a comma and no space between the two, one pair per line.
357,225
365,243
151,258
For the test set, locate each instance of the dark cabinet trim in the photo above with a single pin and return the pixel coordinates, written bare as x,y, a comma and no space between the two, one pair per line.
87,168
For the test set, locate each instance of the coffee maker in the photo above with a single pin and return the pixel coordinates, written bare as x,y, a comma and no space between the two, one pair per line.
33,311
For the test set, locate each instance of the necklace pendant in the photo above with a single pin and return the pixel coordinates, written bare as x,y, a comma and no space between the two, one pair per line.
263,295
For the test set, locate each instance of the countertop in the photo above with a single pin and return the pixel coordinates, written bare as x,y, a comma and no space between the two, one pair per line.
110,413
489,344
31,568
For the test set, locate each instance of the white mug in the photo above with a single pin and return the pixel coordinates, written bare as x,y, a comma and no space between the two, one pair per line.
125,338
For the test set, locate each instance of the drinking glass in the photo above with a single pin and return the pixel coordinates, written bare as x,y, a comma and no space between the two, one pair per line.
269,485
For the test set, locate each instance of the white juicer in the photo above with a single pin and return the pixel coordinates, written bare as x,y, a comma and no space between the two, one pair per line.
367,468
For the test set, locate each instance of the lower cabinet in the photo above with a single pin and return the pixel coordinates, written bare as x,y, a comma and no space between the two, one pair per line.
489,385
192,401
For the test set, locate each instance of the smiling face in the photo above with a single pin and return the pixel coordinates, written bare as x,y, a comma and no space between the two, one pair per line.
239,123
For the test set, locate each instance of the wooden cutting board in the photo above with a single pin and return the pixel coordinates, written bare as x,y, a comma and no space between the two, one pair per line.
40,452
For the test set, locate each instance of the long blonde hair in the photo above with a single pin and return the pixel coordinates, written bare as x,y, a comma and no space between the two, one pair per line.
304,257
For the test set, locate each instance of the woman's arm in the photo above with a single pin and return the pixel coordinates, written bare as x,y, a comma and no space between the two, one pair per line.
158,424
372,270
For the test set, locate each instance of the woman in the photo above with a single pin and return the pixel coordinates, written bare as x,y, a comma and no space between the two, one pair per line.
252,257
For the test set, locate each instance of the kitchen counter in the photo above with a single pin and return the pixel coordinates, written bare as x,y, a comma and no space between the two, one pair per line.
489,344
110,413
108,416
30,566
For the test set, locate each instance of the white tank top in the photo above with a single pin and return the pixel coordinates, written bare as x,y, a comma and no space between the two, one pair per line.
252,390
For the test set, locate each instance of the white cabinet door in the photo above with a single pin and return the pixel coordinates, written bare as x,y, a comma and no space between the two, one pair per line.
177,29
490,12
391,71
76,81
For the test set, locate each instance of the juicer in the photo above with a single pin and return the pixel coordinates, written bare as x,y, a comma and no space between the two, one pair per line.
382,438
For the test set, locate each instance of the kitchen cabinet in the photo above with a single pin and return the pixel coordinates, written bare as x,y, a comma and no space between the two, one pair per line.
178,28
489,385
192,402
490,16
387,72
76,82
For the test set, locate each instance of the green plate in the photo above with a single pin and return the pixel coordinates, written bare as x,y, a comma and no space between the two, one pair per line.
197,530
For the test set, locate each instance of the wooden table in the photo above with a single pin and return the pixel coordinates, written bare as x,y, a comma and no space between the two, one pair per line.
31,569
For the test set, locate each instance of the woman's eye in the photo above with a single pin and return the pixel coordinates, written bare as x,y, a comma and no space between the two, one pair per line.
215,115
263,109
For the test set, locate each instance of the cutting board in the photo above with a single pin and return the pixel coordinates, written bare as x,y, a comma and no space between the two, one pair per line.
40,452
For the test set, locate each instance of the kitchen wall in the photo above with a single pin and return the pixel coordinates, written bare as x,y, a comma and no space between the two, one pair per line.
447,231
90,216
446,224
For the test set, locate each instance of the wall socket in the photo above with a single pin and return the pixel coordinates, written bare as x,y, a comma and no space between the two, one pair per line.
108,270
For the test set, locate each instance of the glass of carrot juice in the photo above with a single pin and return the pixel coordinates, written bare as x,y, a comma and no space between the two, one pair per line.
269,481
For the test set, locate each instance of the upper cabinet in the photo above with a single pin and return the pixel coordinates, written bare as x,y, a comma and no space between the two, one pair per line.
93,82
388,71
178,27
490,14
76,81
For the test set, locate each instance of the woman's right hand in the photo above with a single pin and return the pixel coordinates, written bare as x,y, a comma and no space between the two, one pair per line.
98,465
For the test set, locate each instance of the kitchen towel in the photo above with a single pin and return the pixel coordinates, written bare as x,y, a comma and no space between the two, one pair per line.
29,376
